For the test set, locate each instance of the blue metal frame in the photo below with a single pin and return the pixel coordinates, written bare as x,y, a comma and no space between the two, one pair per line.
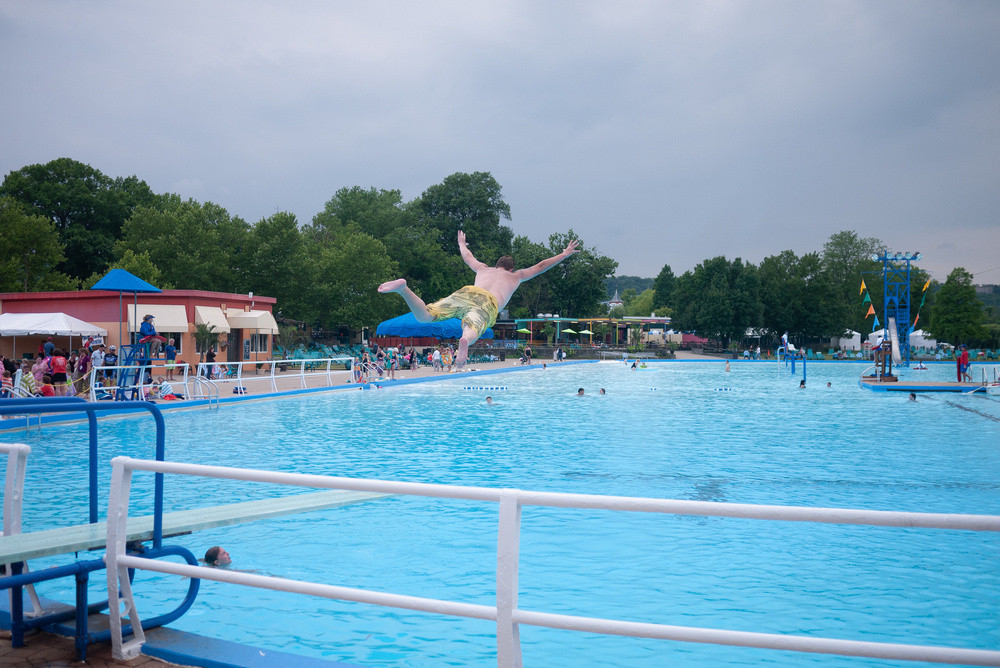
896,296
81,569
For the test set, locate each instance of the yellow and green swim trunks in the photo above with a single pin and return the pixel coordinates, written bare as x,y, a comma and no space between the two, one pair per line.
475,306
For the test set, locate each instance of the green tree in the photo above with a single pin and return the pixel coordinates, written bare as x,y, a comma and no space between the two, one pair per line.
847,259
30,251
641,305
196,246
534,296
87,207
957,314
719,299
429,271
205,337
377,213
472,203
796,295
663,287
577,283
350,265
620,284
276,264
139,265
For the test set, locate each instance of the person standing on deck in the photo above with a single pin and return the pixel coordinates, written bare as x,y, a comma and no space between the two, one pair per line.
477,305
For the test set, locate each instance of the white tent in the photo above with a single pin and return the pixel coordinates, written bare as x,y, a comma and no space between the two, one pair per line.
52,324
850,342
918,337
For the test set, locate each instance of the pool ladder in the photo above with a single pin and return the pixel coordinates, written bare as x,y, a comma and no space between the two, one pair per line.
202,384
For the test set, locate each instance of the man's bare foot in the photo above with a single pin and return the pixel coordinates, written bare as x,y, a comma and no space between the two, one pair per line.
392,286
463,353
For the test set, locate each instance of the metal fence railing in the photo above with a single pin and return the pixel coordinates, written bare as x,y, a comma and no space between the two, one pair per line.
506,613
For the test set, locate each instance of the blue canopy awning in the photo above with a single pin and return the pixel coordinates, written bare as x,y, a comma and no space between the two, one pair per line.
119,280
407,325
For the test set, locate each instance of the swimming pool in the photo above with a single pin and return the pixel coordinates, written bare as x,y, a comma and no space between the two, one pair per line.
748,436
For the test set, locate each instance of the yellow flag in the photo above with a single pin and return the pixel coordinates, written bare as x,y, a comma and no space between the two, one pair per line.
864,287
926,285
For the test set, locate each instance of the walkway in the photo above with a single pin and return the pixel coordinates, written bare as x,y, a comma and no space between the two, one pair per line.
45,650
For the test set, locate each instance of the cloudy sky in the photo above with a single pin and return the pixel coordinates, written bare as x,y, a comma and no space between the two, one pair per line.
662,132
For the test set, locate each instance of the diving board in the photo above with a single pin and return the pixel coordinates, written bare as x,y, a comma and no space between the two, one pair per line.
37,544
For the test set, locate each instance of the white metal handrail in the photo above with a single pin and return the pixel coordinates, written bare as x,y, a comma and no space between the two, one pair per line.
13,498
506,613
201,382
141,385
239,380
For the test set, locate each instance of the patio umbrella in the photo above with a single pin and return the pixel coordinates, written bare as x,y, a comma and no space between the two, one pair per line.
524,331
408,325
587,331
570,331
119,280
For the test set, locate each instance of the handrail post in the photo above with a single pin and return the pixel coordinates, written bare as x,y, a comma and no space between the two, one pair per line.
118,581
508,548
274,384
92,432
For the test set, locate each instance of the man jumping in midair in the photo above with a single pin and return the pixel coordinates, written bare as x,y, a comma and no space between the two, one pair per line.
477,305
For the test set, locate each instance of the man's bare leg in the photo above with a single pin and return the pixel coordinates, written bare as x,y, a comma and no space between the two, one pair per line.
469,337
416,304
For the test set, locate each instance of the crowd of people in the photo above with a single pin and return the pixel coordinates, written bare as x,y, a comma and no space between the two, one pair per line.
383,363
55,372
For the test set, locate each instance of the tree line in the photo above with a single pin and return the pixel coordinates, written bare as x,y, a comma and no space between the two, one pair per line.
813,296
65,224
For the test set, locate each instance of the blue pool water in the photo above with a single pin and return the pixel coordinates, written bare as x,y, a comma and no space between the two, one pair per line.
748,436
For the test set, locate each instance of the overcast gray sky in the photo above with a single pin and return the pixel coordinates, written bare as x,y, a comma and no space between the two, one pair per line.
661,132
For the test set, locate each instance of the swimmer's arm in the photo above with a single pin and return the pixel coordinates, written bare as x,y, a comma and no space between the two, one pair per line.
474,264
545,265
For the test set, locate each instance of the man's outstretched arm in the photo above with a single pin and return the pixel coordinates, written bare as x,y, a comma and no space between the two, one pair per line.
545,265
474,264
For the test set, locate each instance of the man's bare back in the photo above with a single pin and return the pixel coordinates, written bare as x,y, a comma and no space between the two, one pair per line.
499,282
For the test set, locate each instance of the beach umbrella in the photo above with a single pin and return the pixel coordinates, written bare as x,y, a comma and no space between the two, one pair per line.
121,281
408,325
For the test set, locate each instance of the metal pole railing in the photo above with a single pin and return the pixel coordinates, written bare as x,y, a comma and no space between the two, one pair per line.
506,613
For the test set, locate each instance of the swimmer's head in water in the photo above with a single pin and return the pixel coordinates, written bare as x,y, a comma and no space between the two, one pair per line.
506,262
216,556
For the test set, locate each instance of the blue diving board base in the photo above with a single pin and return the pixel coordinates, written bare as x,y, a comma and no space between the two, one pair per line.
870,383
187,649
